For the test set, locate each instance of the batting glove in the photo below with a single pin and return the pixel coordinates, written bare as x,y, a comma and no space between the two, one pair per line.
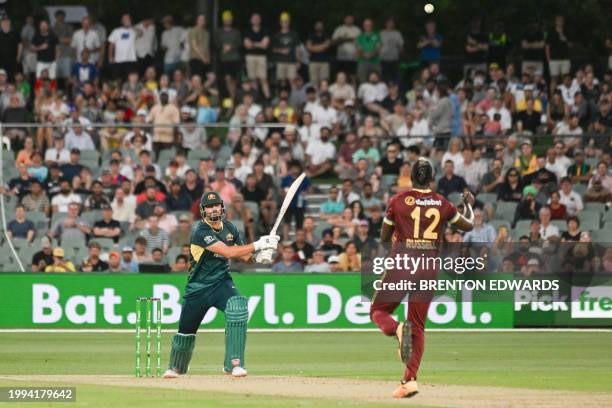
265,256
266,242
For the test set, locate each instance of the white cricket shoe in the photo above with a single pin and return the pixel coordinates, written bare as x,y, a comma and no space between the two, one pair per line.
171,374
239,372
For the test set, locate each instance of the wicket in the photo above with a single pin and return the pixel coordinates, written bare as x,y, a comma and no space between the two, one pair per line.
152,305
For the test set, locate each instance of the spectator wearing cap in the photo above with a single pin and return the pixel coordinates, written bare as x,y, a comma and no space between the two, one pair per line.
226,189
287,263
162,115
93,263
181,235
107,227
334,263
284,47
44,257
579,171
21,227
37,199
128,264
114,262
155,236
60,264
292,144
570,198
528,207
58,153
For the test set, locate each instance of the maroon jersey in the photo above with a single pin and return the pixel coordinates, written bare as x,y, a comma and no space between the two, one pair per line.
419,218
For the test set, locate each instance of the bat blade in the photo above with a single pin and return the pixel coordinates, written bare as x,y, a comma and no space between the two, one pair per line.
288,198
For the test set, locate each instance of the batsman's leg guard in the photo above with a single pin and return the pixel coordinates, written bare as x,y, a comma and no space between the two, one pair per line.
182,349
236,316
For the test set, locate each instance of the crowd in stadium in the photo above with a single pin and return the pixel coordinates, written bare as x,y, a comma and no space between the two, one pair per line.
86,191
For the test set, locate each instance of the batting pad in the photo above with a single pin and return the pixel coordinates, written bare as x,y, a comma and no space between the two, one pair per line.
236,316
182,349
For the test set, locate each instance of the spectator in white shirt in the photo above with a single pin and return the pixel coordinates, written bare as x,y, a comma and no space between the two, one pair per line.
58,153
571,199
77,138
570,126
341,90
602,174
548,231
309,131
122,48
454,152
87,38
312,102
472,169
554,165
325,114
506,117
320,154
145,43
124,207
415,128
61,201
344,37
373,92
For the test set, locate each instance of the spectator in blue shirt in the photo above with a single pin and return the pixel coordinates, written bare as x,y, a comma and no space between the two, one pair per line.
482,232
20,227
430,44
83,72
287,262
332,206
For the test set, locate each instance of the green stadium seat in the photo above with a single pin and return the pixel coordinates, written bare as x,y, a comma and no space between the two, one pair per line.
523,226
455,198
107,244
37,217
199,154
561,224
254,207
166,155
590,217
580,188
597,207
487,198
239,224
92,216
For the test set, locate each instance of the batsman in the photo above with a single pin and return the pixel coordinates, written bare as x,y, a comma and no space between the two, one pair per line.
214,240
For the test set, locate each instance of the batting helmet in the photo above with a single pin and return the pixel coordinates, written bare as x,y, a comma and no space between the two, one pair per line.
208,199
422,173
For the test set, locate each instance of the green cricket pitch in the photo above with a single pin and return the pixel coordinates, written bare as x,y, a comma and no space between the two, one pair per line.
323,369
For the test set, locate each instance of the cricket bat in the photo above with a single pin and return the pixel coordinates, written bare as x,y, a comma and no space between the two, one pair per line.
288,198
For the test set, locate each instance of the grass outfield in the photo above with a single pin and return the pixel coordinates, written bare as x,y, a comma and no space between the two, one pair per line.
574,361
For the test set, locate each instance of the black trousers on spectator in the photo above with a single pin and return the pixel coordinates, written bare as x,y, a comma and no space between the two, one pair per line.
122,69
348,67
297,213
144,63
198,67
390,71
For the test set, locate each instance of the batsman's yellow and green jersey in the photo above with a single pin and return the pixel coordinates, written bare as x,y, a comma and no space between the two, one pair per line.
207,269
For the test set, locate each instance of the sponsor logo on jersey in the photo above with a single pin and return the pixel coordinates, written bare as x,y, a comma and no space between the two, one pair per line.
409,201
208,239
428,202
229,237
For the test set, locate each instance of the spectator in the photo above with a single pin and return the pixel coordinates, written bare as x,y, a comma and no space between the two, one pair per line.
141,254
570,198
573,230
548,231
21,227
450,182
199,47
88,39
341,90
181,264
344,37
44,257
171,44
162,115
499,45
124,207
61,202
37,199
77,138
297,207
45,44
472,170
128,264
350,259
526,163
226,189
320,155
107,227
154,235
302,248
430,44
318,45
512,189
328,247
59,263
579,172
64,32
476,47
181,235
532,47
602,175
366,245
114,262
10,46
557,50
36,169
557,210
228,44
287,262
482,232
285,50
318,264
72,226
528,208
177,199
256,44
58,153
122,48
597,193
97,200
392,44
166,222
